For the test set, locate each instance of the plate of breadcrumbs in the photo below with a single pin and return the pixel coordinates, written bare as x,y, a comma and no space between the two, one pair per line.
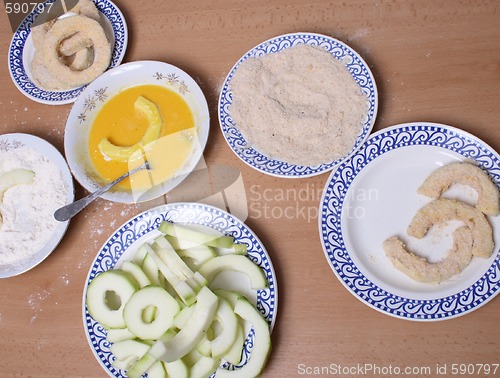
297,105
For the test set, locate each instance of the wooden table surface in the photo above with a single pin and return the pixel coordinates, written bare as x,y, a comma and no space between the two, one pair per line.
435,61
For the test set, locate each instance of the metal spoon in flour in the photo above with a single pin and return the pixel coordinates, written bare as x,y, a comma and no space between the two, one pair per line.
69,211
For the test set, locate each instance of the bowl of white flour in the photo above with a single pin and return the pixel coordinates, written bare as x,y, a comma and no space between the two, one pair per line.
28,229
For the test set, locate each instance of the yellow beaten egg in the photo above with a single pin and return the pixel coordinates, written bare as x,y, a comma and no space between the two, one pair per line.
121,123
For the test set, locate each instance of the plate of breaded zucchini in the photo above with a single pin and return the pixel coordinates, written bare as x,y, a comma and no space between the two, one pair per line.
410,223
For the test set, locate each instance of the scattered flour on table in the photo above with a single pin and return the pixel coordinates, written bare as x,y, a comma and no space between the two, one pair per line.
102,228
300,105
35,302
27,210
65,278
360,33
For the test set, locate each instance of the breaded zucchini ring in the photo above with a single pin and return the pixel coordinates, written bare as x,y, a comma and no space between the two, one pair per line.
41,75
44,79
43,23
65,28
441,179
87,8
81,60
38,32
75,43
444,210
421,269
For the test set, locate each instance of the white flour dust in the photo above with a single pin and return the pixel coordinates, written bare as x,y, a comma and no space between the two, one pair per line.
27,210
102,227
35,302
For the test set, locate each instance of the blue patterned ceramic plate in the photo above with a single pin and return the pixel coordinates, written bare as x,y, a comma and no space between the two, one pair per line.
354,63
373,196
21,53
142,228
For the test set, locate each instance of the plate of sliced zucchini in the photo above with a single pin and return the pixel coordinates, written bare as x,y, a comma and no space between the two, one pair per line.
181,290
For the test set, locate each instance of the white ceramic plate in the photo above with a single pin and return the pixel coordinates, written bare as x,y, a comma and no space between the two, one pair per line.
339,50
372,196
21,53
124,242
94,96
10,142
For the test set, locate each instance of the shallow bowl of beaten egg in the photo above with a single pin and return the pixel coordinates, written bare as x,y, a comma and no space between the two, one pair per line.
139,111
